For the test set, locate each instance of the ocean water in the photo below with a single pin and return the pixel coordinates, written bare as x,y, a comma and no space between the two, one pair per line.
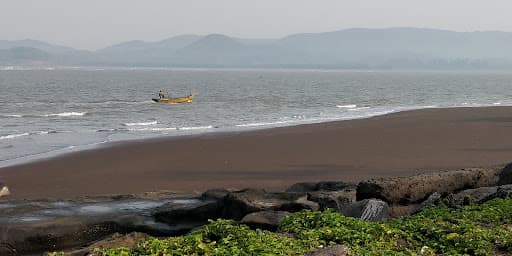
52,111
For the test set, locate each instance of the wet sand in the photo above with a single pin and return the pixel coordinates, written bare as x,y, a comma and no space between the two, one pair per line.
398,144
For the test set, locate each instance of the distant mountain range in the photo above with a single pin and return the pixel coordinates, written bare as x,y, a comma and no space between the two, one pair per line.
351,48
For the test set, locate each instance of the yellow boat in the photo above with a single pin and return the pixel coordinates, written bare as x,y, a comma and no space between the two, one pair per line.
186,99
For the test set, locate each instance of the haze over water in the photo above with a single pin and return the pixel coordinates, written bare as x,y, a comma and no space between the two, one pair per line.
46,112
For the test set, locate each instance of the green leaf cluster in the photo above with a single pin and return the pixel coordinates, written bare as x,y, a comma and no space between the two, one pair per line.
475,230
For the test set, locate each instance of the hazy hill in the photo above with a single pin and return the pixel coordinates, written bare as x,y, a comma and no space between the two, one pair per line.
351,48
49,48
140,52
18,55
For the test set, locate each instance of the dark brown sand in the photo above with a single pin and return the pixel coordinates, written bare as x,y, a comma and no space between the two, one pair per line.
393,145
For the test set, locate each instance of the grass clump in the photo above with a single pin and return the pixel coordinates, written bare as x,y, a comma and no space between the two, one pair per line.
220,237
475,230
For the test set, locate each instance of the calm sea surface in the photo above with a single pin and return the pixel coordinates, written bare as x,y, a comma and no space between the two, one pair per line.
47,112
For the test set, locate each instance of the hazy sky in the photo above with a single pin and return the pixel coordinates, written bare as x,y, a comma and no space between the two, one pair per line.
92,24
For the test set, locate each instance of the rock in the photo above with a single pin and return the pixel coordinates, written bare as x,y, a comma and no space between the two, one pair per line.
368,209
433,199
268,220
28,238
506,175
198,213
215,194
335,200
501,192
304,187
414,189
334,186
114,241
241,203
4,191
32,227
472,196
335,250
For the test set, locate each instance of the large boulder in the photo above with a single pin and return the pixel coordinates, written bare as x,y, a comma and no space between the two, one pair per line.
415,189
29,238
238,204
368,209
304,187
268,220
335,200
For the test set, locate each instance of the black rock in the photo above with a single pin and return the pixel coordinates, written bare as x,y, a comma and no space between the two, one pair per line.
368,209
238,204
268,220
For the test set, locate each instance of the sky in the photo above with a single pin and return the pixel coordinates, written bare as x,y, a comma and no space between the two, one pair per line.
94,24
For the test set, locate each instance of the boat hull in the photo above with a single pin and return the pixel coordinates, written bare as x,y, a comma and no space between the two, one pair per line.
187,99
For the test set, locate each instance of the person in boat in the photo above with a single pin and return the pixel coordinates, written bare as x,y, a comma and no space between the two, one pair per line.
161,94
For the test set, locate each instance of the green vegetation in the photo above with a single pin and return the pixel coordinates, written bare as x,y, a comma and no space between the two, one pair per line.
475,230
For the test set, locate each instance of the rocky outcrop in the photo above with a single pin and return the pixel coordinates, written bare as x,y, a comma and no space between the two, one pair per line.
335,250
304,187
238,204
268,220
368,209
414,189
32,227
27,238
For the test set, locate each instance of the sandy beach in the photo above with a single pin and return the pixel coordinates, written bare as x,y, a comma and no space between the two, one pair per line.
397,144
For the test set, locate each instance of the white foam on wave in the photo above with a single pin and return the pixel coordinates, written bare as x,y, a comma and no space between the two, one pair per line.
196,128
349,106
44,132
142,123
262,124
12,115
66,114
496,103
12,136
359,109
152,129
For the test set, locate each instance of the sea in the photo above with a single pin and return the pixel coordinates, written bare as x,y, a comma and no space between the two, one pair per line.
50,111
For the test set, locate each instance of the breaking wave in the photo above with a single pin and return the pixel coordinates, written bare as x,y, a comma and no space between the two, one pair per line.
141,123
153,129
262,124
66,114
196,127
12,136
347,106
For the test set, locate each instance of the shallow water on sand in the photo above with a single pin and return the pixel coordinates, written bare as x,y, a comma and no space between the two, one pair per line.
47,112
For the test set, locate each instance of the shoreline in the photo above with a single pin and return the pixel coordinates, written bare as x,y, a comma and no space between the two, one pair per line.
395,144
72,149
